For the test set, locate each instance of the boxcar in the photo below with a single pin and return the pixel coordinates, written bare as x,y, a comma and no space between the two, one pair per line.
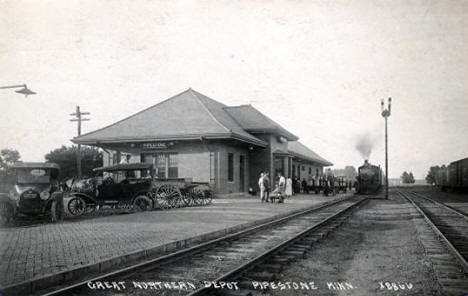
454,176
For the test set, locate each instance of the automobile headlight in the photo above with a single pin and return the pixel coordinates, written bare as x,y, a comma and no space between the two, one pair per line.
14,195
45,195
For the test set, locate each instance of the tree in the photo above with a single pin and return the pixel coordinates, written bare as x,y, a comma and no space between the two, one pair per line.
405,177
411,178
431,175
350,172
8,157
65,157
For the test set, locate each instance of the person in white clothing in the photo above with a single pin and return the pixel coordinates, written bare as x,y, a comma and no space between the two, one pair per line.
288,187
282,183
261,186
126,159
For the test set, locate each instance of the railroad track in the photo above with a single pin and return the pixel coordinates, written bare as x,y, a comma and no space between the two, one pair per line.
445,239
240,258
454,209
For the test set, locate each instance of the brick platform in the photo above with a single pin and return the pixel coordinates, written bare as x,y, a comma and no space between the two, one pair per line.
28,253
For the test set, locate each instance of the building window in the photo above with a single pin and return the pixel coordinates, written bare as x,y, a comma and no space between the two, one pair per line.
278,164
160,165
303,168
173,171
310,171
230,167
166,165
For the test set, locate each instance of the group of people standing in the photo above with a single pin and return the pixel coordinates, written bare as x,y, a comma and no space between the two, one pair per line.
283,187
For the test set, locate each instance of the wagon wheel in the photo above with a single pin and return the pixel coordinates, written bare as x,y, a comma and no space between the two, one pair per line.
159,201
187,198
170,194
142,203
203,195
208,196
197,196
76,206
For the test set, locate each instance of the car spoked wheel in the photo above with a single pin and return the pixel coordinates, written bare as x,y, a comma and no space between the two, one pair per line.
142,203
76,206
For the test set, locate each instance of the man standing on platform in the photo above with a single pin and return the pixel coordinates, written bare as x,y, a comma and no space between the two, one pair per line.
266,183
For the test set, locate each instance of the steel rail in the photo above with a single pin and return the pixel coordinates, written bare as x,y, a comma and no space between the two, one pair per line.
260,258
182,253
449,245
464,215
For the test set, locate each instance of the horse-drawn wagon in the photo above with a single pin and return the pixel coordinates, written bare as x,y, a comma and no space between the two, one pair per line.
173,193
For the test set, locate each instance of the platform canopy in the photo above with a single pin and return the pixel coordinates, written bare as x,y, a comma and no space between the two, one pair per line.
125,167
299,150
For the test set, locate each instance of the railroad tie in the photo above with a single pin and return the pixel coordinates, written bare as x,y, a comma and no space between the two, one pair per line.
263,276
236,293
282,259
294,253
454,283
276,268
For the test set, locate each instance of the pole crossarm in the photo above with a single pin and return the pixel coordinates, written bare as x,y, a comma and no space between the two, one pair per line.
79,119
13,86
24,89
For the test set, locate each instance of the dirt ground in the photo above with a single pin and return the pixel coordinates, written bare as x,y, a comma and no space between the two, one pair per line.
376,252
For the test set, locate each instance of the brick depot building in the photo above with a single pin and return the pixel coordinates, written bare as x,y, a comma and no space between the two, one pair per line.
195,137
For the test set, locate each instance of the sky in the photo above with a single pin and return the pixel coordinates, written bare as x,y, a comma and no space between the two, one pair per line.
318,68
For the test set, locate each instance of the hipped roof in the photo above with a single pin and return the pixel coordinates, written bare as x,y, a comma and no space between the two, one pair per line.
253,121
299,150
188,115
191,115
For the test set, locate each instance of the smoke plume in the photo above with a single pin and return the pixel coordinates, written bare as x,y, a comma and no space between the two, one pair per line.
364,145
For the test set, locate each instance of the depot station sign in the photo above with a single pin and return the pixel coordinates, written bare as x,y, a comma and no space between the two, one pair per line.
157,145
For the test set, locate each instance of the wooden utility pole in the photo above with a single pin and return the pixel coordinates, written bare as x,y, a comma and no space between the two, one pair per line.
78,118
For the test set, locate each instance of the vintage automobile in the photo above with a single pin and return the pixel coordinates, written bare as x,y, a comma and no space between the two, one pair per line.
119,186
31,189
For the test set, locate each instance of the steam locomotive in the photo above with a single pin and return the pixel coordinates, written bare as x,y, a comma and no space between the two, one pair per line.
369,179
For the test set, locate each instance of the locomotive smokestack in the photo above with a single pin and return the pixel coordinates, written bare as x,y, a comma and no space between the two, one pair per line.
366,162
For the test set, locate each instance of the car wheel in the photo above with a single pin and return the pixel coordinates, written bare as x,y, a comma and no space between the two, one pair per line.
76,206
142,203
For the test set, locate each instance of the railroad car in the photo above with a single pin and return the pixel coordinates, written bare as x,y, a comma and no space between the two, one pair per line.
454,176
369,179
441,178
